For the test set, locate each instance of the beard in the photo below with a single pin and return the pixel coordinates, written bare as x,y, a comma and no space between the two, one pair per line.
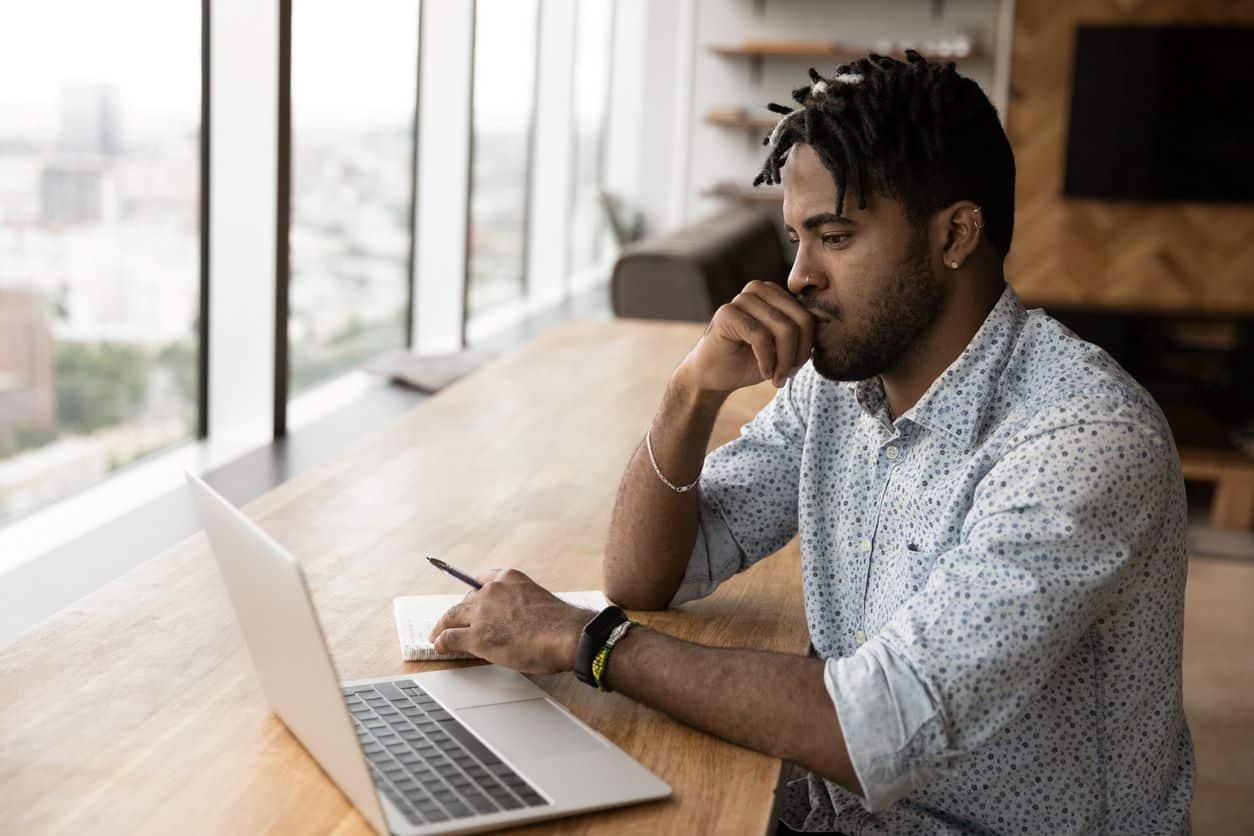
909,304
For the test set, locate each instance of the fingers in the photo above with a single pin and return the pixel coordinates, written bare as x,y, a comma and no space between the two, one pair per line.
457,615
454,640
787,304
779,329
743,326
784,331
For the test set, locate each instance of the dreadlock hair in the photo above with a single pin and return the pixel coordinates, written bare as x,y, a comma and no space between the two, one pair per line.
913,131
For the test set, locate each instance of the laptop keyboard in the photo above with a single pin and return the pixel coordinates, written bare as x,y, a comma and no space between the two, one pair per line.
427,763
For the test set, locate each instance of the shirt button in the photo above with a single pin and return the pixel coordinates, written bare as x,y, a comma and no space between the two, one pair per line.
891,451
860,636
865,545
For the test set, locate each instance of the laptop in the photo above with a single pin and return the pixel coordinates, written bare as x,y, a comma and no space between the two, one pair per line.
460,750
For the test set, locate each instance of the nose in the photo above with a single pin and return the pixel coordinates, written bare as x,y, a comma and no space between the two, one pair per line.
805,274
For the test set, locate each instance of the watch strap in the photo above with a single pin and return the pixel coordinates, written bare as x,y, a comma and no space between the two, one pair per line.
602,660
594,636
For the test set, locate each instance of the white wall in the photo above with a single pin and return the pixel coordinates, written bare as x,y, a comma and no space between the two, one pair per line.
648,136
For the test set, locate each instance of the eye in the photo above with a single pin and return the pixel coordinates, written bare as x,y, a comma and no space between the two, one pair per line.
834,239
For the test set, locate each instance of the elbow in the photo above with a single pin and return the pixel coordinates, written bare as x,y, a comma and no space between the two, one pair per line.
833,765
632,596
825,753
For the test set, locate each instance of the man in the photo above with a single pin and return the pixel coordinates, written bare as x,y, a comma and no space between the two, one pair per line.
990,510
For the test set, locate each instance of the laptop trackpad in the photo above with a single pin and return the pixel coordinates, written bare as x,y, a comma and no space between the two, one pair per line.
530,728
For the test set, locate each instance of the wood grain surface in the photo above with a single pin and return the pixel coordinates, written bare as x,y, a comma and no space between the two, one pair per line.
1109,255
136,710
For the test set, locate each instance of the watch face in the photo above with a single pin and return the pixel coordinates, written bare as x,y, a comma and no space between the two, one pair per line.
599,628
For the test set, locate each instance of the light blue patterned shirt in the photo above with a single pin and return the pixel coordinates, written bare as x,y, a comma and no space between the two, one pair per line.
995,580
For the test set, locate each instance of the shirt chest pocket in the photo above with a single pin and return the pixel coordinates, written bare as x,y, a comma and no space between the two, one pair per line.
898,574
916,564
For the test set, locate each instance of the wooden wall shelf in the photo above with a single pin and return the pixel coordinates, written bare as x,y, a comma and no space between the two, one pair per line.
739,118
815,49
746,194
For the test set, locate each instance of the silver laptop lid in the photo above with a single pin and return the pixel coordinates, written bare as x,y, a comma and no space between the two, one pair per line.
271,600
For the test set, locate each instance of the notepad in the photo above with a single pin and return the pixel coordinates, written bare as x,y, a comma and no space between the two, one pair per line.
416,616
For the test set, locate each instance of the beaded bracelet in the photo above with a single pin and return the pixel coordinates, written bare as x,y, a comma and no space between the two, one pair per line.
603,655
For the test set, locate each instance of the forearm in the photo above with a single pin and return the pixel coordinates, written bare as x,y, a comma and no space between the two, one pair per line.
773,703
653,528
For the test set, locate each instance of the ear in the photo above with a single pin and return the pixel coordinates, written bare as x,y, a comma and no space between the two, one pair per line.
963,232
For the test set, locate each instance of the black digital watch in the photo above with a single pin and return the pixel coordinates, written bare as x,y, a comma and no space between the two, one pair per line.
595,634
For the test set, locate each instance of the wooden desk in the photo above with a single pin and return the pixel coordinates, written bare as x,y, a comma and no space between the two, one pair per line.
136,710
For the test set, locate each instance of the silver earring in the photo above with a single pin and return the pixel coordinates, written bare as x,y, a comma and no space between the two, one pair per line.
978,224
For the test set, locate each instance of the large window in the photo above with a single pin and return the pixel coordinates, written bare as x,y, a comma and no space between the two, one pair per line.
99,240
354,75
506,37
593,41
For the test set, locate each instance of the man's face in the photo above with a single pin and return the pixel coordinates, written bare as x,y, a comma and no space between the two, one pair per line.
867,274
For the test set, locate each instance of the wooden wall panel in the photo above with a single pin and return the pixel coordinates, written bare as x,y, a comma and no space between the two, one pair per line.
1115,256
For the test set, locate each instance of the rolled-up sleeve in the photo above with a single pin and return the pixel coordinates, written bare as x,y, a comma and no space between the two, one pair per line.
1053,530
747,496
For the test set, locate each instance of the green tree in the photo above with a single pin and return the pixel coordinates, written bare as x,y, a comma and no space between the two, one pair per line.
180,359
99,384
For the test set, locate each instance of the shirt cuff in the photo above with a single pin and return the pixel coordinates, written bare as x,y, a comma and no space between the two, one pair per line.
893,728
715,557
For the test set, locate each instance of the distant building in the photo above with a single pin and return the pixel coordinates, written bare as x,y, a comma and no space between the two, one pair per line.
91,121
72,193
27,369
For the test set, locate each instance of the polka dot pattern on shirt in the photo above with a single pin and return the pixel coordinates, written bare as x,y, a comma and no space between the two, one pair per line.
1015,543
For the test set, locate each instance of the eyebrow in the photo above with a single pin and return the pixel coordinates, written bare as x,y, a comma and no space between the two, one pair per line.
823,218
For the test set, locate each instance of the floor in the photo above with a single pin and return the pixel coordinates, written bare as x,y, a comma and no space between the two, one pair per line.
1219,692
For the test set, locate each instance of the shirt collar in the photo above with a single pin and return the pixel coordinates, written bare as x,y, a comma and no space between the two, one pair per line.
955,403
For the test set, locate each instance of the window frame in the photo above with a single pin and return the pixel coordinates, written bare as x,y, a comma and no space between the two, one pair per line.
36,532
202,319
283,221
528,171
579,278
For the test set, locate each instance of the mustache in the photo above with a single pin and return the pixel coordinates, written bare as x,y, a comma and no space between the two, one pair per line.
811,304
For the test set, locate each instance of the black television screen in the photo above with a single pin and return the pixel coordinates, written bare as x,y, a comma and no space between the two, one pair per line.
1162,113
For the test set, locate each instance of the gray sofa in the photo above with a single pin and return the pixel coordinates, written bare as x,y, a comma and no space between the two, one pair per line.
687,274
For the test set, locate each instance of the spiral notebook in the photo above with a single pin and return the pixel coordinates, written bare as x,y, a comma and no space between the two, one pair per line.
416,615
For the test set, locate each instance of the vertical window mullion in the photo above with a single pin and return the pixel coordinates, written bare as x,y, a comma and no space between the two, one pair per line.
206,111
470,180
549,200
603,139
282,220
412,267
443,158
529,185
242,150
